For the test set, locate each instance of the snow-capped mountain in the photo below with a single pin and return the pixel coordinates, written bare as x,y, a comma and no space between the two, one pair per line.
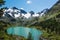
15,12
11,12
44,12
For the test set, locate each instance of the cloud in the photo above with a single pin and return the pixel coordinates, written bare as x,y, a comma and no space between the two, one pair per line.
29,2
22,8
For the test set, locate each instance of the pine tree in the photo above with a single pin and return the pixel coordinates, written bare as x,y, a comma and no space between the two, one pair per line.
2,2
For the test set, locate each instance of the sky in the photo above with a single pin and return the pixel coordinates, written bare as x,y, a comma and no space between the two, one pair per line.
30,5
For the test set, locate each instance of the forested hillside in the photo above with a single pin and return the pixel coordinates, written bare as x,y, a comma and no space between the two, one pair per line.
49,23
52,25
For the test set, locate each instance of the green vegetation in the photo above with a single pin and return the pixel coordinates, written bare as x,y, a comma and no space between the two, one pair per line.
2,2
49,24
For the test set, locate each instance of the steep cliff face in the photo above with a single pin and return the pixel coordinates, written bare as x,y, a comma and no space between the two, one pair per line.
54,11
55,8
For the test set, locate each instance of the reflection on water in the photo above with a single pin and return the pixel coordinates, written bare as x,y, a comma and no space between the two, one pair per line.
24,31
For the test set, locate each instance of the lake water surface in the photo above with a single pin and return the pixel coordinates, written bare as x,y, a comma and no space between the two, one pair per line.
24,31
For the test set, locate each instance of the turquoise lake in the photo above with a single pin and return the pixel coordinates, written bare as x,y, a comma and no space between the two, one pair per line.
24,31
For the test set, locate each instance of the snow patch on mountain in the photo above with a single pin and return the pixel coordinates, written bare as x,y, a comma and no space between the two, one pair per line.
17,13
